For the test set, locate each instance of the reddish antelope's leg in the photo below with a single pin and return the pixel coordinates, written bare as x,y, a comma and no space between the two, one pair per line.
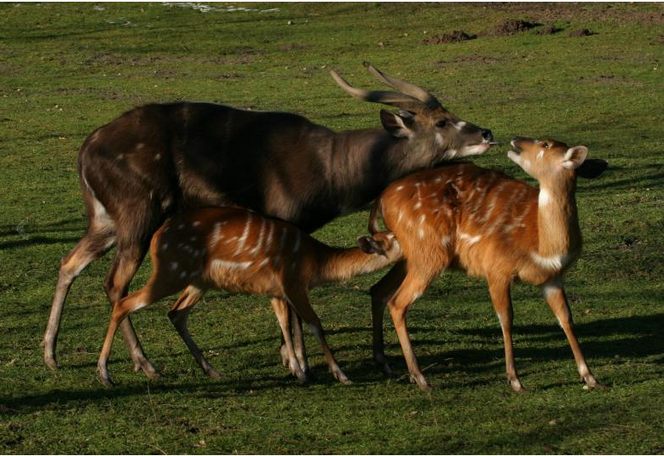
298,342
502,304
411,288
128,257
381,293
179,314
95,242
289,358
557,301
300,302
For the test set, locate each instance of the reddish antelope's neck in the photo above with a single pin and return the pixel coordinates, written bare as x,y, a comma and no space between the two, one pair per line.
336,264
557,222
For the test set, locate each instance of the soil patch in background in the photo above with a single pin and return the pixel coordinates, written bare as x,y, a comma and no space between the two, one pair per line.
512,27
548,30
456,36
581,32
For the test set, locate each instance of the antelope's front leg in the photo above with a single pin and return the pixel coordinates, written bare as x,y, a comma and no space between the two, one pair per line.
557,301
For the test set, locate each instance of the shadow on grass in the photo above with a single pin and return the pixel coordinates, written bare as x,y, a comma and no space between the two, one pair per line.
643,339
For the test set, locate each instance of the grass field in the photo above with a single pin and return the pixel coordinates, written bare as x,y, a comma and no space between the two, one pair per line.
65,69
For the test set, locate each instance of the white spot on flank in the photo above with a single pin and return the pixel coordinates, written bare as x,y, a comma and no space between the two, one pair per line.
157,157
445,241
223,264
418,205
183,274
216,234
245,234
164,246
196,223
261,235
180,226
174,266
540,154
420,233
400,216
264,262
423,219
399,188
543,198
193,238
470,239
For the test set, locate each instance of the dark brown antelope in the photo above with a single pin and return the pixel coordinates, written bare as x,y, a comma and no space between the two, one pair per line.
491,226
241,251
159,159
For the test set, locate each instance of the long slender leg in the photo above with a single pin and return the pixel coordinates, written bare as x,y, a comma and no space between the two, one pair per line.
557,301
128,258
410,289
502,304
298,341
179,314
381,293
95,242
156,289
300,302
281,310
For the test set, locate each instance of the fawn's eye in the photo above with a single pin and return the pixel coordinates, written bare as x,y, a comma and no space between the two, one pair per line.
546,145
441,123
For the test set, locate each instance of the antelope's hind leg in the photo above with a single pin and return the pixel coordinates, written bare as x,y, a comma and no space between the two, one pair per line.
288,356
179,314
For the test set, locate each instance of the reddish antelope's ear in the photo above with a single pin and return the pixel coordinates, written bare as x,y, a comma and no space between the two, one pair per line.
592,168
369,245
399,125
575,156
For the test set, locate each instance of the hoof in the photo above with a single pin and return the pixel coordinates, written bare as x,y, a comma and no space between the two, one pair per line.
597,386
106,381
213,374
51,362
284,355
145,366
422,383
517,386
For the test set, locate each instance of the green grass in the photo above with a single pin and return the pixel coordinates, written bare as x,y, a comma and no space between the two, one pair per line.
65,69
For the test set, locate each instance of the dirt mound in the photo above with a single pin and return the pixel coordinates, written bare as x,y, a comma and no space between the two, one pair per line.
512,27
456,36
548,30
581,32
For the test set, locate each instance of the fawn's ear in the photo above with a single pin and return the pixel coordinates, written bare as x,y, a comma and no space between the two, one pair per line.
592,168
575,156
369,245
399,125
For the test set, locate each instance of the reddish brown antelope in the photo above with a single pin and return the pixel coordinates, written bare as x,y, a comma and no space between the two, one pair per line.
159,159
241,251
491,226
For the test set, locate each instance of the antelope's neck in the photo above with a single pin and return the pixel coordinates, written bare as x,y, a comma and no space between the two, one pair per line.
557,219
337,264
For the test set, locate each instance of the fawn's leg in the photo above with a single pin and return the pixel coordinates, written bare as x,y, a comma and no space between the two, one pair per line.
412,287
300,302
178,315
502,304
283,314
381,293
557,301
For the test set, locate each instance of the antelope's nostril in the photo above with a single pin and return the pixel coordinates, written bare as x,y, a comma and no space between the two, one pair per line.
487,135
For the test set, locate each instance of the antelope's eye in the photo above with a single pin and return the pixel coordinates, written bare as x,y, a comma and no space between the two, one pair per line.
441,123
546,145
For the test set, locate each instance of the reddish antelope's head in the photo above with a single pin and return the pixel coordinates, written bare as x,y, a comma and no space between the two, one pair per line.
549,160
429,128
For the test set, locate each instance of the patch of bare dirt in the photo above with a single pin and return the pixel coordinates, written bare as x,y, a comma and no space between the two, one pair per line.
456,36
581,33
512,27
548,30
645,14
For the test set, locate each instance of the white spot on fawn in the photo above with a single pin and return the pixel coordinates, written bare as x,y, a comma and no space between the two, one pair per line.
245,234
196,223
445,241
418,205
223,264
470,239
540,154
164,246
174,266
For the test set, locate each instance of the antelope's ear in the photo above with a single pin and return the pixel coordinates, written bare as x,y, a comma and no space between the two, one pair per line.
369,245
575,156
592,168
399,125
